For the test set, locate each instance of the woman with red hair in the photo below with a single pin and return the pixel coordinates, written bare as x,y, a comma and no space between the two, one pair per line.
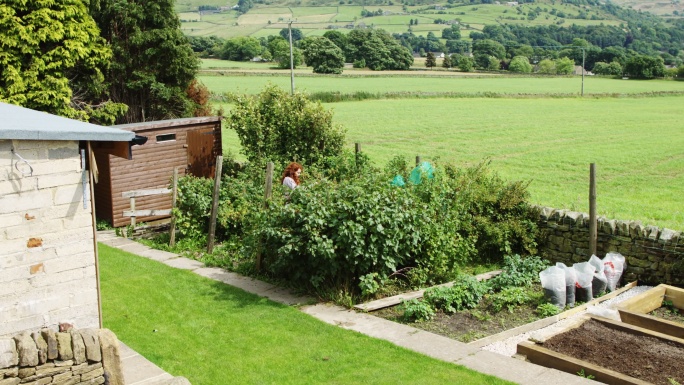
291,175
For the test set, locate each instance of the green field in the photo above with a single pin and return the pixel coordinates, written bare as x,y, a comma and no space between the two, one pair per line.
436,84
635,142
315,17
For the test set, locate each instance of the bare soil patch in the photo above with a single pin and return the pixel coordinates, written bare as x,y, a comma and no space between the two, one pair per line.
646,358
670,314
468,325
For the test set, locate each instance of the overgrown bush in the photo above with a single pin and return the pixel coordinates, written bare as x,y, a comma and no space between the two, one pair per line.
279,127
348,229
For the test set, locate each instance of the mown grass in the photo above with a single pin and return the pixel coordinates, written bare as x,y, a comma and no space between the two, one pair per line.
212,333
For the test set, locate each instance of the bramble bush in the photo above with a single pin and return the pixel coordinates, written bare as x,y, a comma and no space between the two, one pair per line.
347,228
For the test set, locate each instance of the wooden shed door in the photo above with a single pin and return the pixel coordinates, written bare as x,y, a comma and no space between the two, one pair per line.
200,152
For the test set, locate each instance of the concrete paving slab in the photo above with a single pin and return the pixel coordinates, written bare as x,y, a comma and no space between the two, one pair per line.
119,241
522,372
135,248
138,370
184,263
251,285
106,235
158,255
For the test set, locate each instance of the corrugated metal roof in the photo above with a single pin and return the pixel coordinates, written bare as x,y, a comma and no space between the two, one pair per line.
23,123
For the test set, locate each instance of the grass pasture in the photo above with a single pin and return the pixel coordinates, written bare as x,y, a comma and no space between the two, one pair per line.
212,333
433,81
635,141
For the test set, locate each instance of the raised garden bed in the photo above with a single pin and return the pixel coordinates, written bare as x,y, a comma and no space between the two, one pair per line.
646,310
611,352
481,326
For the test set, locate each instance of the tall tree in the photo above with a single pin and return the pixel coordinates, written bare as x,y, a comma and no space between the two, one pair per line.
430,60
52,57
153,62
323,55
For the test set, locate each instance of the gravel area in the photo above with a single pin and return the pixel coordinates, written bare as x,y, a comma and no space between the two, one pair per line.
509,346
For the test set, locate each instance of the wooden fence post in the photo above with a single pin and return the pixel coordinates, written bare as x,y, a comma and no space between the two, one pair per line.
214,203
592,209
357,151
268,193
174,197
133,209
418,160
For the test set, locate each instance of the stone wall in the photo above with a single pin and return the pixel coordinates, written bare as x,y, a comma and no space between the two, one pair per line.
47,257
85,356
653,255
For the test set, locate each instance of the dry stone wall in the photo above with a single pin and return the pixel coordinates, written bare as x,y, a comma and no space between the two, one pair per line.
654,255
85,356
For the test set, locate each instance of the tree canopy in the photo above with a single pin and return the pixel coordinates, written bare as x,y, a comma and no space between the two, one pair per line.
153,64
323,55
53,58
279,127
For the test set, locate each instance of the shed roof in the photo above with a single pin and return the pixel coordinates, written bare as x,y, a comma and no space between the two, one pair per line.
153,125
23,123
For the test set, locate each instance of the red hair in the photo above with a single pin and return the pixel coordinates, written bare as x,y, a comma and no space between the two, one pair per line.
291,171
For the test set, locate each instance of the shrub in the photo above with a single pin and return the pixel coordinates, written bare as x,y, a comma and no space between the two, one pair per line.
465,293
415,310
509,298
279,127
518,272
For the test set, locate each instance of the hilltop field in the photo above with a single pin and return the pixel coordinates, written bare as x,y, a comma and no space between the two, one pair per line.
314,17
537,129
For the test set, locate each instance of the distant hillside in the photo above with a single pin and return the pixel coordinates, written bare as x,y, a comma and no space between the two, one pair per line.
540,22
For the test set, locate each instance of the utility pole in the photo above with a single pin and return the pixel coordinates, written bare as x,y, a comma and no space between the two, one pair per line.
292,87
583,55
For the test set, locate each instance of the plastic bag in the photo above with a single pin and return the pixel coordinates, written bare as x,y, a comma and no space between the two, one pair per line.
585,275
604,312
570,280
599,282
425,168
613,266
398,181
553,282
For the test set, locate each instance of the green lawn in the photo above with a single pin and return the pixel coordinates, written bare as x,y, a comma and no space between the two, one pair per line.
212,333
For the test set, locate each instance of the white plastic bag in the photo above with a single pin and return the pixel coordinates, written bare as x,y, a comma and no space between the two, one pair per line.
613,266
604,312
599,282
585,275
553,282
570,281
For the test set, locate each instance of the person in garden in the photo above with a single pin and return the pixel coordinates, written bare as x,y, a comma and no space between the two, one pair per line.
291,175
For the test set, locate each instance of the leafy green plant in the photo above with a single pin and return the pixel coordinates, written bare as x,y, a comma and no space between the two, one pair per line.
465,293
102,224
587,376
416,311
518,272
547,310
509,298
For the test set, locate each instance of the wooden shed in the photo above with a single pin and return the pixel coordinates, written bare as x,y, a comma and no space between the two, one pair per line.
191,144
